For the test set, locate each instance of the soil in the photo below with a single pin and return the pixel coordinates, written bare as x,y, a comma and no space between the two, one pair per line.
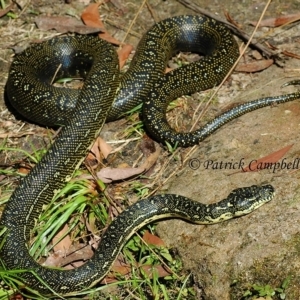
227,258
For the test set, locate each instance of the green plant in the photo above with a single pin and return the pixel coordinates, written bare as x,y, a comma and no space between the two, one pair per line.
9,14
82,202
267,291
171,148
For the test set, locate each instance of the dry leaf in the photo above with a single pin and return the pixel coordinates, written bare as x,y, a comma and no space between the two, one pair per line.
64,24
279,21
63,245
75,256
94,156
118,267
159,270
123,54
108,174
271,158
230,19
121,268
151,159
254,66
152,239
90,16
99,150
52,260
105,148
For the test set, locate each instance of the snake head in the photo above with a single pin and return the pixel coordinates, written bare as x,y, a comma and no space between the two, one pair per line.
245,200
239,202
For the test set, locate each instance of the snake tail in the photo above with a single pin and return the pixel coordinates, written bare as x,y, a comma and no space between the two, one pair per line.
159,128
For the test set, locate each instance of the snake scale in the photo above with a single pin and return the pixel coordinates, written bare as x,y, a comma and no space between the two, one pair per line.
105,96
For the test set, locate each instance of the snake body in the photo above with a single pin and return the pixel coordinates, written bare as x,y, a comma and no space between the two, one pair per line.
145,74
30,76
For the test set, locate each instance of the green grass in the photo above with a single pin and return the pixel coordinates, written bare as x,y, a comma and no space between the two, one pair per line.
83,202
256,291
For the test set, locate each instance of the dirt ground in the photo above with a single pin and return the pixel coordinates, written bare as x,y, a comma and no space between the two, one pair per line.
227,258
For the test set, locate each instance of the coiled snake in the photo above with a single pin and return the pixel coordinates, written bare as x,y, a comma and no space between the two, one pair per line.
82,115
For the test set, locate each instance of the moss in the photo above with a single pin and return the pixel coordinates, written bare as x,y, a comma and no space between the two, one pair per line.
280,272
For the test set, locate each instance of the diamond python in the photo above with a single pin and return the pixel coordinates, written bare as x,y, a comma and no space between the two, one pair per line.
82,114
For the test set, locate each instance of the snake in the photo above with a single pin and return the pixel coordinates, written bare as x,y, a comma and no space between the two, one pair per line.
106,95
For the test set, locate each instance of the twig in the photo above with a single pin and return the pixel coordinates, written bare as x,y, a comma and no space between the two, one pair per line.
134,19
